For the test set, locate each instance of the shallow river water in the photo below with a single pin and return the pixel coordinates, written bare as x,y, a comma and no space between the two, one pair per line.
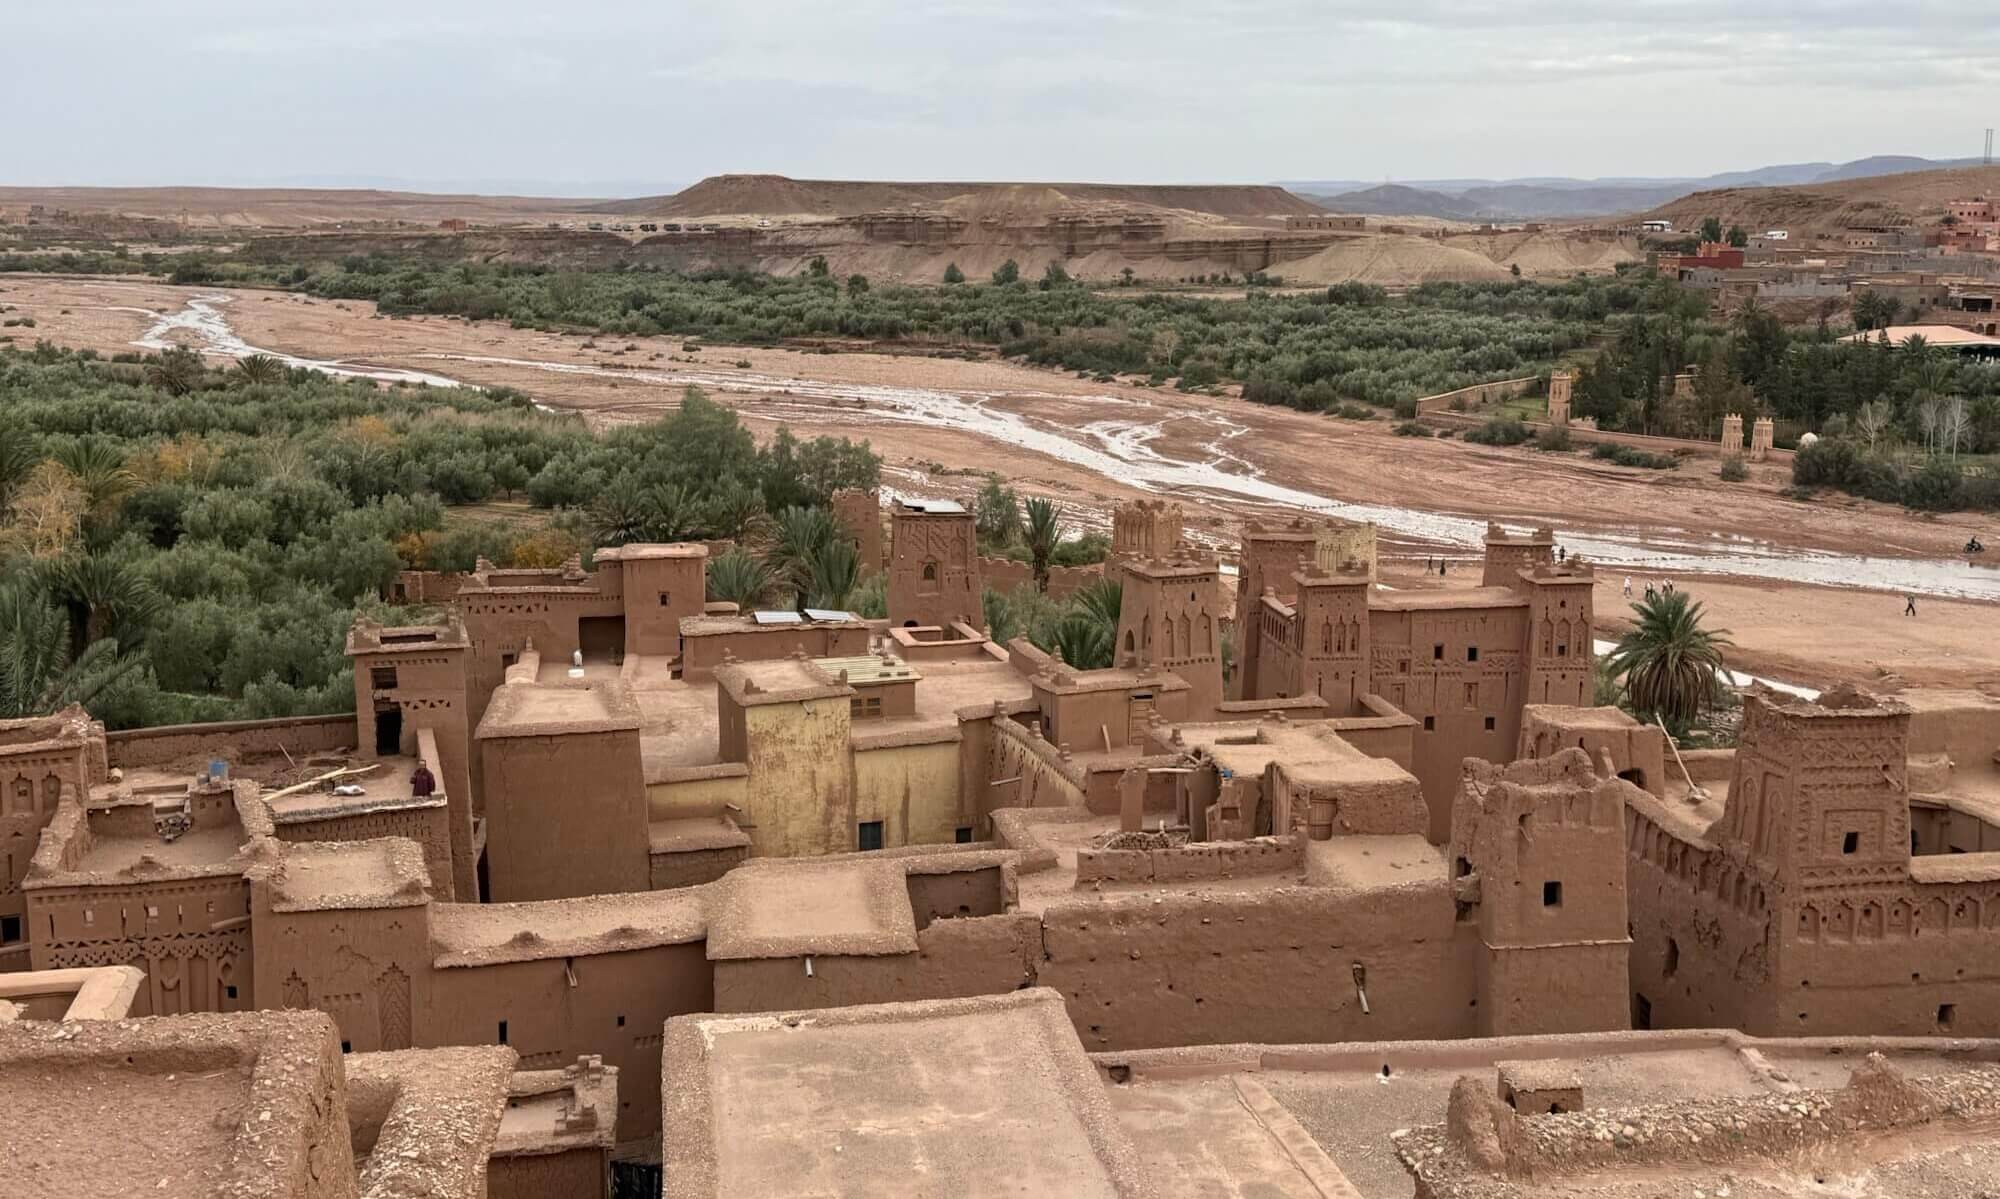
1121,446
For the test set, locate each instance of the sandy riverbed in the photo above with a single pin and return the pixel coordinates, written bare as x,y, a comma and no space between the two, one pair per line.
1747,551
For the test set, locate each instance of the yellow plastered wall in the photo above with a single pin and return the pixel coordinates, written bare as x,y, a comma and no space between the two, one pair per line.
799,800
693,797
912,790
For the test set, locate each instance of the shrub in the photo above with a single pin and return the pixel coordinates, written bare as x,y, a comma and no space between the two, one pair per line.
1410,428
1348,410
1733,470
1501,430
1936,486
1625,455
1406,409
1553,440
952,274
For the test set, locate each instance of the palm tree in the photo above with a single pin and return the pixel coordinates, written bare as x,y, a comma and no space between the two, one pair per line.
741,578
102,595
101,473
261,368
831,574
621,513
800,534
1084,640
36,676
674,516
1670,664
1044,531
177,371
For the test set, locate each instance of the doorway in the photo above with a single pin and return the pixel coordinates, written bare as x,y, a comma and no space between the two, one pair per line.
388,731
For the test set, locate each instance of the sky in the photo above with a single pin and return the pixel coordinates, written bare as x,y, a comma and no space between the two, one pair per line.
596,97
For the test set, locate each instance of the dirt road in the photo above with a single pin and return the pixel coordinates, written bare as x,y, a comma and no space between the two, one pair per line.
1782,573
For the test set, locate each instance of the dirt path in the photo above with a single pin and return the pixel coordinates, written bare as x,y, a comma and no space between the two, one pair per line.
940,423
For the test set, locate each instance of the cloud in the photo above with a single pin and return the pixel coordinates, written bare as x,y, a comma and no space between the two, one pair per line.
1106,89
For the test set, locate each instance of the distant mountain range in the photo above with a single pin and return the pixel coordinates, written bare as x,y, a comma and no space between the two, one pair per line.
1552,197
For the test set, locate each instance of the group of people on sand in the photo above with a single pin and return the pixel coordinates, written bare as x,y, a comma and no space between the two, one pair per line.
1663,587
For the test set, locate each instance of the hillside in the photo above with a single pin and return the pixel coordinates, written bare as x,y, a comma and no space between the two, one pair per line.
267,207
778,195
1880,199
1394,199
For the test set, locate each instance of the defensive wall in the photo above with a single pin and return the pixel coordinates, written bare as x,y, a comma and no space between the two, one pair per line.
170,743
1477,396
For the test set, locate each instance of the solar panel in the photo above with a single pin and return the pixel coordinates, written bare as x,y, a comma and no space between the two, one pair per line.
829,614
777,618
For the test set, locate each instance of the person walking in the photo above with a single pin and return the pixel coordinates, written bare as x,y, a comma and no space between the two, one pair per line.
1628,586
1909,605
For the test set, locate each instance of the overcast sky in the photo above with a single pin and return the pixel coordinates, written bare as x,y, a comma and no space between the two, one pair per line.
580,94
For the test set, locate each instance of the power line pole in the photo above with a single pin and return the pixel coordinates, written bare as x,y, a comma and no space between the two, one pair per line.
1989,146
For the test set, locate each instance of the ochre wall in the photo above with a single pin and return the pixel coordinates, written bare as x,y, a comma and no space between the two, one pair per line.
674,798
911,789
799,800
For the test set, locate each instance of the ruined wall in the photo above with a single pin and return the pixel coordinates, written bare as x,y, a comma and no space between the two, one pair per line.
233,740
1005,574
1194,862
617,1006
426,826
1700,958
1476,397
1273,966
860,516
911,789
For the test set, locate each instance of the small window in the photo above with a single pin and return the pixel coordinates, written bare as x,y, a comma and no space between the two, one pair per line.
868,834
229,992
964,834
347,1047
1437,653
1642,1012
1947,1013
1851,843
621,1021
1430,724
1552,894
666,599
1472,653
1489,724
10,929
1562,651
503,1032
382,678
930,572
1673,963
89,917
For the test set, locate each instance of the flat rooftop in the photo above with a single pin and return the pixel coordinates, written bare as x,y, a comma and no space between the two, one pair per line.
963,1097
544,709
482,934
317,876
383,789
1311,752
847,906
1453,597
193,1106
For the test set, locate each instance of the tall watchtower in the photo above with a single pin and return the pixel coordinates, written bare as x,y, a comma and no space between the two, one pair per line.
1820,792
1333,643
1538,852
1561,660
933,565
1269,558
1168,618
1508,554
1560,384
